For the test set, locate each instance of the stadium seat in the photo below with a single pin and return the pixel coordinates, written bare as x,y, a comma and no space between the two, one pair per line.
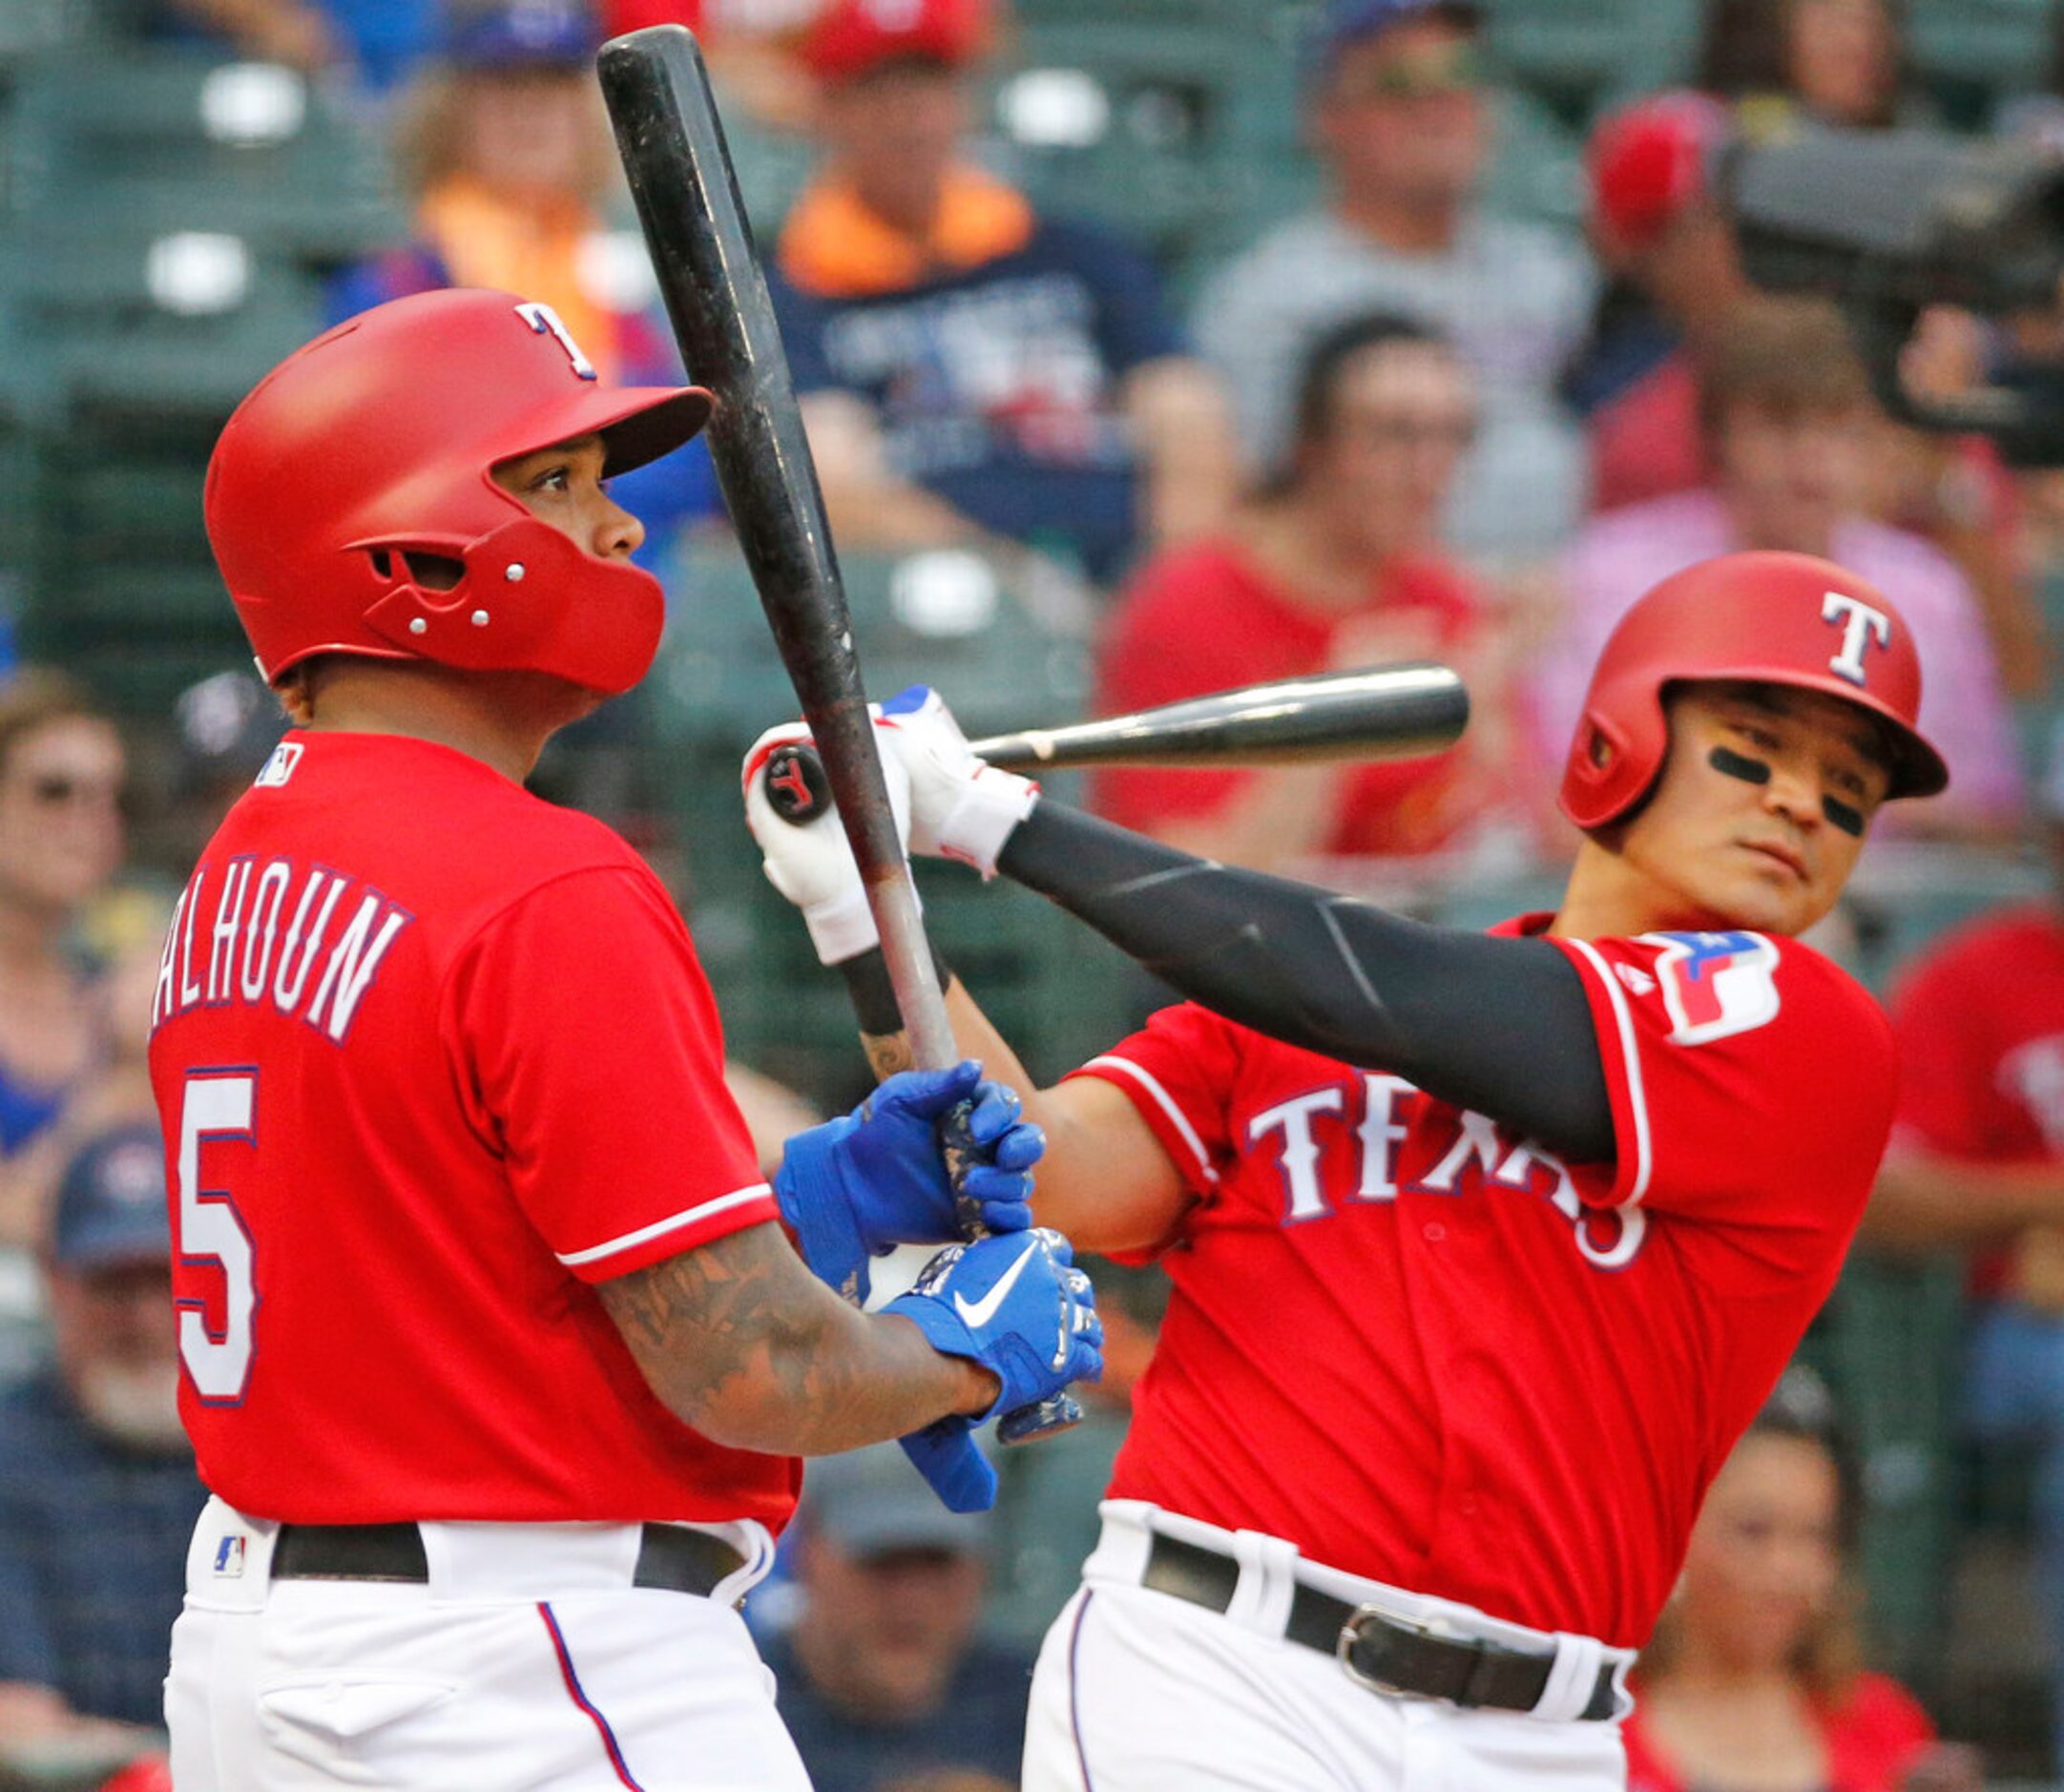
1997,44
182,322
1155,130
176,140
1571,54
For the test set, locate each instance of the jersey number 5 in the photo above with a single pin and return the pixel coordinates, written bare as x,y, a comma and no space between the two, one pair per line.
217,1104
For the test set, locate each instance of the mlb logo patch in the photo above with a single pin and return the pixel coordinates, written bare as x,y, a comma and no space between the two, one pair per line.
229,1558
1716,984
280,768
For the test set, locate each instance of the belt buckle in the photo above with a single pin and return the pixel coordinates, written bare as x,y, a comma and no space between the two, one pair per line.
1350,1634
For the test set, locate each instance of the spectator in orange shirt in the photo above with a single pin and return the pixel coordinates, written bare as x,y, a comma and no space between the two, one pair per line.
971,370
1333,566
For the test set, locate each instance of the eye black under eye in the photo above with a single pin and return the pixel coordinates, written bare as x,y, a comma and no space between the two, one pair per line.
1739,765
1845,816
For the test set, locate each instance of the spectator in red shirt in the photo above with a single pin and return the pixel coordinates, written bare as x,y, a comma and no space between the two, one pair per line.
1751,1680
1332,565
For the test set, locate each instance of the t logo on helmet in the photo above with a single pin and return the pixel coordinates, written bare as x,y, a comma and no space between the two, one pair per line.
1860,625
544,321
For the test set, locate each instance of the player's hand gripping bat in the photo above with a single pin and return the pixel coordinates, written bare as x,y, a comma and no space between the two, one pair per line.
678,166
1385,713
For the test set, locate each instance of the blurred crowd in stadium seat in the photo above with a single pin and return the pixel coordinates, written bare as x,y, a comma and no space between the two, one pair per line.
1147,346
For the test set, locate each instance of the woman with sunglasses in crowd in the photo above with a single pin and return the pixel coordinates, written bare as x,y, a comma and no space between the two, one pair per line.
61,839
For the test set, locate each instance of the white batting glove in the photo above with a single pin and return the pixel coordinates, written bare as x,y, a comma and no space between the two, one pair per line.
961,807
810,861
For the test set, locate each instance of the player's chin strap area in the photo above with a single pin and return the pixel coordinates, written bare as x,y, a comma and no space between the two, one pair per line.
1500,1026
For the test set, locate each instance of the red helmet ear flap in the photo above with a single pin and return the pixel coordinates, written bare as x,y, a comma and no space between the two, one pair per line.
531,598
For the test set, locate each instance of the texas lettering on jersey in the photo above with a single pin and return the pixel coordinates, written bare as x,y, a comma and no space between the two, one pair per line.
301,938
1362,1118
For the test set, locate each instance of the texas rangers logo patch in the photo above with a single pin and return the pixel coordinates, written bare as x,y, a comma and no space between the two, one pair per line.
1716,984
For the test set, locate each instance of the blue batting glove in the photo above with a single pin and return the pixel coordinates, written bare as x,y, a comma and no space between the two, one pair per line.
1015,1304
947,1456
877,1177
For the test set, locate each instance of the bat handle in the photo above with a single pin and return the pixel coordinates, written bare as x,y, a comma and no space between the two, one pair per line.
1057,1413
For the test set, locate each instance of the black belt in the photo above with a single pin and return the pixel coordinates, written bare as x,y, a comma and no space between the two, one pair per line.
670,1559
1383,1653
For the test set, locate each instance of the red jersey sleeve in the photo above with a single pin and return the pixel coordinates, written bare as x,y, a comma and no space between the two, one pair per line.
1752,1081
1179,1071
591,1057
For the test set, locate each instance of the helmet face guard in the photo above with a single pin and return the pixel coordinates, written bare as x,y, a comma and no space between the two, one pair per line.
1770,619
379,440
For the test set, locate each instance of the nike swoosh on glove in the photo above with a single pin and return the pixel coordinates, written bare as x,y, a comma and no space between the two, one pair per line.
1017,1305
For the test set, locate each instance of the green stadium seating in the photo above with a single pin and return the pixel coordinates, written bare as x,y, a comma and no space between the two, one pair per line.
1157,131
134,323
1997,44
169,140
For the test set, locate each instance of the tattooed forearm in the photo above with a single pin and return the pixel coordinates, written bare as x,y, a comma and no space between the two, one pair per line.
740,1340
887,1052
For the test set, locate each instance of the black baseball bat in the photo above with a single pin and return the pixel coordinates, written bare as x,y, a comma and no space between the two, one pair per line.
1381,712
678,166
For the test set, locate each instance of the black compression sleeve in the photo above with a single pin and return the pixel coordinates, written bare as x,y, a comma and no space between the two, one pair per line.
1498,1025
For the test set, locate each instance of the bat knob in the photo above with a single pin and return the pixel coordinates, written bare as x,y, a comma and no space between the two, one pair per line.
1059,1412
797,788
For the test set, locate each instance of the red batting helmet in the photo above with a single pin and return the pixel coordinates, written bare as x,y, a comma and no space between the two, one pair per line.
378,440
1776,619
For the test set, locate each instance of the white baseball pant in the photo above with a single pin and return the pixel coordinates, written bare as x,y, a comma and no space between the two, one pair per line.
527,1663
1137,1691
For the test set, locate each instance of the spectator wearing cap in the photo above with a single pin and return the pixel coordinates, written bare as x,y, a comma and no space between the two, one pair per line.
502,149
1976,1164
97,1489
1792,434
970,371
1396,108
1673,280
882,1678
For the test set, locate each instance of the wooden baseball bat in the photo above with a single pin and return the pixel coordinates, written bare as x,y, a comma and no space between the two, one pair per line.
1381,712
672,144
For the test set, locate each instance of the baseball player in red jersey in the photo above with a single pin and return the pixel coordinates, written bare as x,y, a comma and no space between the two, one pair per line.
496,1362
1484,1248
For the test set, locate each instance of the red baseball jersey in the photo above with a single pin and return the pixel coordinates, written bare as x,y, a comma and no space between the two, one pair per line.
1432,1353
433,1057
1980,1023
